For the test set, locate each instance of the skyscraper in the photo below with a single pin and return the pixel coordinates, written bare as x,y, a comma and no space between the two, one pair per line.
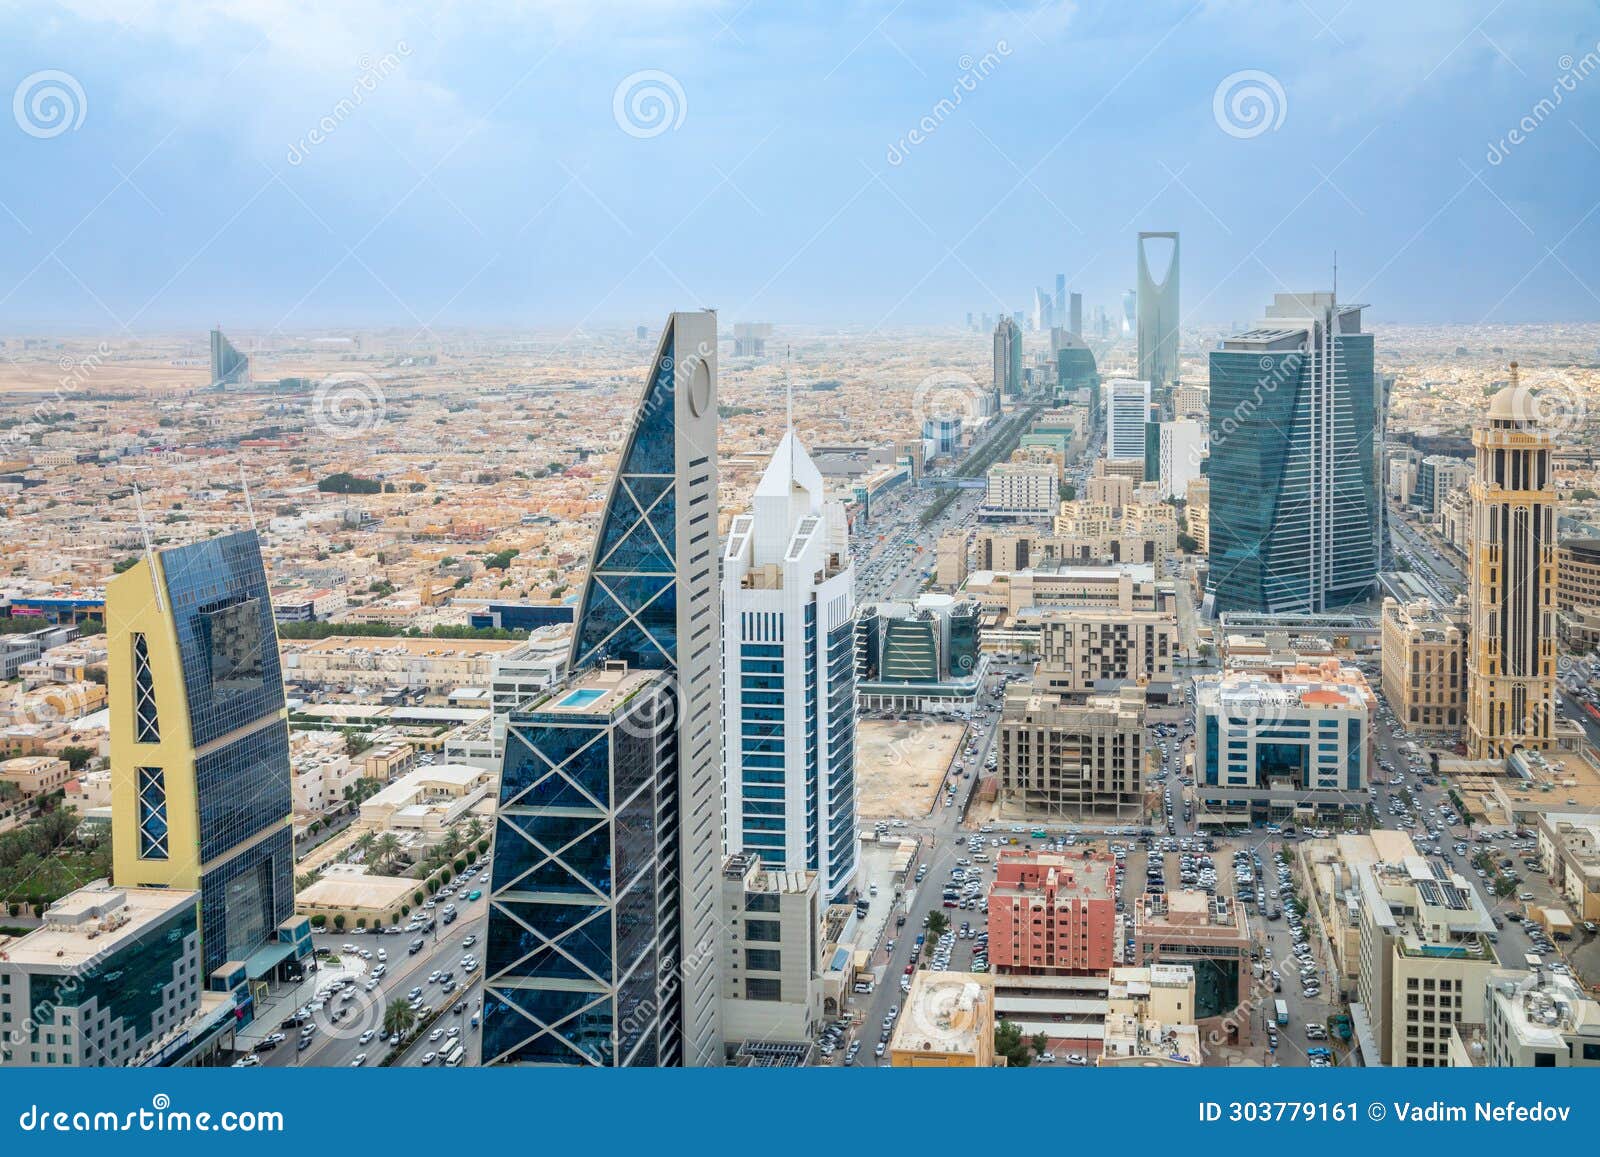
1158,316
229,367
1511,648
1044,313
201,797
1008,358
1127,411
1061,297
1075,316
1293,489
788,612
603,942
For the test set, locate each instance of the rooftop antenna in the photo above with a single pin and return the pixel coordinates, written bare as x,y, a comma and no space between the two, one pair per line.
149,550
1335,277
248,505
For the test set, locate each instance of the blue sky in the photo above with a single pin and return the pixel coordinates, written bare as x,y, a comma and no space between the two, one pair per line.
484,177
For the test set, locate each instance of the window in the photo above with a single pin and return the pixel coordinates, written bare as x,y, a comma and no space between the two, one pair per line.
146,727
152,814
1591,1052
763,960
764,931
758,989
761,902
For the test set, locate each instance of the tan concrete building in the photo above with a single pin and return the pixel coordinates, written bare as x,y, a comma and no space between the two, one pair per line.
1569,848
1531,1020
951,565
1425,665
1150,1018
1081,648
1210,934
1424,960
1511,669
1078,760
948,1022
36,774
1197,512
1125,587
771,976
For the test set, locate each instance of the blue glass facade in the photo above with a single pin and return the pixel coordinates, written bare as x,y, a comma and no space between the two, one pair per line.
585,960
573,950
1294,498
217,594
131,984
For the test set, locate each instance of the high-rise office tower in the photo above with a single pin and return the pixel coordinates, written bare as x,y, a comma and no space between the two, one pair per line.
1511,648
1061,296
200,789
603,940
1293,489
1127,410
1008,358
788,613
229,367
1158,315
1075,316
1130,312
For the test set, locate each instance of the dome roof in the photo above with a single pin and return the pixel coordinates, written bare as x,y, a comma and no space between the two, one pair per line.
1514,404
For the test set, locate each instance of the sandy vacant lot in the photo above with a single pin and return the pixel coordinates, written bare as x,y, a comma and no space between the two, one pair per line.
901,766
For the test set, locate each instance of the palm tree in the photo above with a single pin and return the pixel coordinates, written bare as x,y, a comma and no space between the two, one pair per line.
387,847
937,924
474,829
398,1018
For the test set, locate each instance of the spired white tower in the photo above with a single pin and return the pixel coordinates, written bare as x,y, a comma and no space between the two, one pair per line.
788,606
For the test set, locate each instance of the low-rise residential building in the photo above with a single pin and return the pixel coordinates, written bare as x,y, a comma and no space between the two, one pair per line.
771,978
1569,849
386,665
1425,959
1150,1019
35,775
1053,913
1425,665
1197,512
428,800
1122,587
1074,760
948,1022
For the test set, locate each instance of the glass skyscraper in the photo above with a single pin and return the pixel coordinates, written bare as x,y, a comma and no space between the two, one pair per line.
201,795
1294,495
603,940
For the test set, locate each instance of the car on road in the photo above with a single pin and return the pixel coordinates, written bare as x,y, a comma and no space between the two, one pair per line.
361,1059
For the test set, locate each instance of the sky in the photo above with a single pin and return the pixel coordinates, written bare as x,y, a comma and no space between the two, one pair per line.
294,166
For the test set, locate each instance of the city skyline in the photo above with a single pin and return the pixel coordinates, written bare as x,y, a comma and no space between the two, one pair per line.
414,179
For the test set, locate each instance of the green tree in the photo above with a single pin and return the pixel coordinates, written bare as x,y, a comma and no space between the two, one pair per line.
1041,1043
338,922
1010,1043
76,757
398,1018
938,924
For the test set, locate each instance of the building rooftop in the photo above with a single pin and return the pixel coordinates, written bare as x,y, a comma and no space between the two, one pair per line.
92,922
598,691
1022,873
944,1012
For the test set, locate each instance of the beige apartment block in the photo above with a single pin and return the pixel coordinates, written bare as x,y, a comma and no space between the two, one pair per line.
1074,760
1425,959
1425,665
1080,649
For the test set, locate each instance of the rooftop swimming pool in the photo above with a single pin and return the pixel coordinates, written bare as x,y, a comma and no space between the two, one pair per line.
582,697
